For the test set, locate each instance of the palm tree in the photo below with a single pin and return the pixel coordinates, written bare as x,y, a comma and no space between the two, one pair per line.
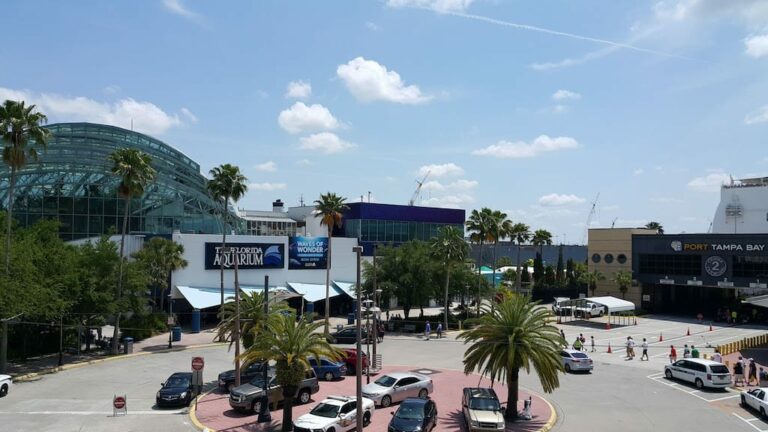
162,257
226,183
500,227
655,226
520,234
451,249
253,318
135,172
19,124
290,344
541,237
479,226
591,279
516,335
623,279
330,208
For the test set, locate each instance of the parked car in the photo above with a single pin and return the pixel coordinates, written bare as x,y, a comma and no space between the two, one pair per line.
591,309
561,307
329,370
756,399
248,397
397,386
6,382
335,414
350,359
227,378
414,415
702,373
482,410
177,390
349,335
575,360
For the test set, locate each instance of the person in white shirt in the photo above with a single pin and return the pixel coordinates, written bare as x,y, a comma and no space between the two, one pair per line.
645,350
717,356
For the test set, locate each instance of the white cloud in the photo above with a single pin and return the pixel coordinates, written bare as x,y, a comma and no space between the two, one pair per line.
267,167
303,162
178,8
145,117
709,183
435,5
302,118
462,185
188,114
298,90
554,199
372,26
456,194
370,81
325,142
448,201
267,186
559,109
638,171
448,169
757,46
760,115
565,95
521,149
112,89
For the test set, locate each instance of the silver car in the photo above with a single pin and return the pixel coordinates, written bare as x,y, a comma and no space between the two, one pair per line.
397,386
575,360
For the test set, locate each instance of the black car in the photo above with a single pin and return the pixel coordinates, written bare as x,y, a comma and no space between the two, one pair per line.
177,390
227,379
348,336
413,415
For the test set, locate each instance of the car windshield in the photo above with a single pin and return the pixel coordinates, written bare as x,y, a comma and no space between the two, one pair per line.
325,410
177,381
484,404
579,355
719,369
385,381
259,381
410,411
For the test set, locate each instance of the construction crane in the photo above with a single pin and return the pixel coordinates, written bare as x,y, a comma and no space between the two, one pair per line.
589,219
614,222
418,189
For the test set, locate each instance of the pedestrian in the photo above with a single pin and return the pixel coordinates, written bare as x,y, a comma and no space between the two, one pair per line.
738,372
686,351
427,331
592,341
752,372
629,347
694,352
440,330
562,334
381,332
645,350
583,341
734,316
632,347
672,354
717,356
387,314
577,344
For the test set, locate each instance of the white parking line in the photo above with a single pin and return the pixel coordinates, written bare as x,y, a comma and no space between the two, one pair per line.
749,422
660,378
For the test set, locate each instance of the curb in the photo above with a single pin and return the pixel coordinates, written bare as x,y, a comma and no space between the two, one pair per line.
32,376
193,416
552,417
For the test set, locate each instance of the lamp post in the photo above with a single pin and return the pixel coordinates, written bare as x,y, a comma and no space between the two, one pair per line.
377,323
264,415
367,302
358,250
170,320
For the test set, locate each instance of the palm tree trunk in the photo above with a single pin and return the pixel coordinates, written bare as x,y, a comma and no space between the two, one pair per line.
9,215
116,333
447,279
328,285
479,276
288,394
513,379
493,266
221,259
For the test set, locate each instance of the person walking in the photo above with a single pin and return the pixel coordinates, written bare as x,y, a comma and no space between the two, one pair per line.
672,354
752,372
427,331
717,356
577,344
583,341
564,340
686,351
592,341
629,348
381,332
645,350
694,352
439,330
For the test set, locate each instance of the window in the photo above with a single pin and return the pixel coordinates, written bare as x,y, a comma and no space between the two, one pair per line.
750,266
595,258
621,258
608,258
663,264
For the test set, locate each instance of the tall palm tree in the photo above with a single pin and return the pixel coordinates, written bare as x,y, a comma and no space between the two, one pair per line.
591,279
135,172
330,209
541,237
520,234
19,124
655,226
290,344
623,279
253,318
479,226
516,335
500,227
451,249
162,257
226,183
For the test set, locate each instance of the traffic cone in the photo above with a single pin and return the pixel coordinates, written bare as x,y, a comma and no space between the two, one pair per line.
689,332
710,326
607,325
661,338
635,320
609,348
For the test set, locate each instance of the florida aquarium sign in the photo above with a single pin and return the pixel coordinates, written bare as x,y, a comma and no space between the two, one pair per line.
308,253
249,256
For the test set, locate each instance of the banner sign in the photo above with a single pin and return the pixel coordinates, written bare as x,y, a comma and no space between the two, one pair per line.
680,246
250,256
308,253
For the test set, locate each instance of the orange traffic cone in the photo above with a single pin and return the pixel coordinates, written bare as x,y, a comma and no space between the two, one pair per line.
607,325
661,338
609,348
689,332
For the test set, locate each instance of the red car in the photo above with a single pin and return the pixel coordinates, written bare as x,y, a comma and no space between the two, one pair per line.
350,359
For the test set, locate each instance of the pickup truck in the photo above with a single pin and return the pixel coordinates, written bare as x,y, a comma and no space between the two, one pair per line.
593,309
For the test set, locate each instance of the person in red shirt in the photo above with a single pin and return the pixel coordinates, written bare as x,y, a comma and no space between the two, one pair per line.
672,354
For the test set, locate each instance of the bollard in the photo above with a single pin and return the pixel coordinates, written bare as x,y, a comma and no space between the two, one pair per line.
460,325
706,356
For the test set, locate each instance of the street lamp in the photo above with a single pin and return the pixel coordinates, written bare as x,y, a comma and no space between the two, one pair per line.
170,320
368,302
264,415
377,323
358,250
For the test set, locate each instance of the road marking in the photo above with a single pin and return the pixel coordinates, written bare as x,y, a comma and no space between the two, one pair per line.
749,422
726,397
90,413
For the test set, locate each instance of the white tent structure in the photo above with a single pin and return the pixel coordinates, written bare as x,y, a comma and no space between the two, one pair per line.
612,304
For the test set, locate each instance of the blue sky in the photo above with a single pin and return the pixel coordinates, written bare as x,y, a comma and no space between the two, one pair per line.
530,107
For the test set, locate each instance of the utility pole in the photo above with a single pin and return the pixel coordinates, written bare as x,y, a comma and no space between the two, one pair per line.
264,415
359,362
237,321
61,339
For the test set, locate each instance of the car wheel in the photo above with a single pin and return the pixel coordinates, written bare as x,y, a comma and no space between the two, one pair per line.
328,376
331,430
668,374
743,401
230,386
568,368
256,407
366,418
423,393
351,370
4,390
304,396
601,313
386,401
699,383
762,412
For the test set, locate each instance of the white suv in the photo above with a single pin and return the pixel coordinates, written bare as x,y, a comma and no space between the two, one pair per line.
335,414
702,373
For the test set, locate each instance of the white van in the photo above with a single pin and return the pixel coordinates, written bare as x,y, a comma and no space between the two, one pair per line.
702,373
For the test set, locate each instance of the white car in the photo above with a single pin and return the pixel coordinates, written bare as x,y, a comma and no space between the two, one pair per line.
756,399
591,309
398,386
5,384
574,360
702,373
335,414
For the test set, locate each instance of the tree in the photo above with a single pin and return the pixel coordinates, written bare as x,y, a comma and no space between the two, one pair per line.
226,183
500,227
540,238
135,172
516,335
253,318
655,226
450,248
18,125
479,226
559,272
330,209
623,279
504,261
290,344
161,257
590,279
538,271
520,234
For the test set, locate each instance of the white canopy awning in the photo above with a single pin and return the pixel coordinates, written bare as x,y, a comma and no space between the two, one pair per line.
347,287
612,303
313,292
205,297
